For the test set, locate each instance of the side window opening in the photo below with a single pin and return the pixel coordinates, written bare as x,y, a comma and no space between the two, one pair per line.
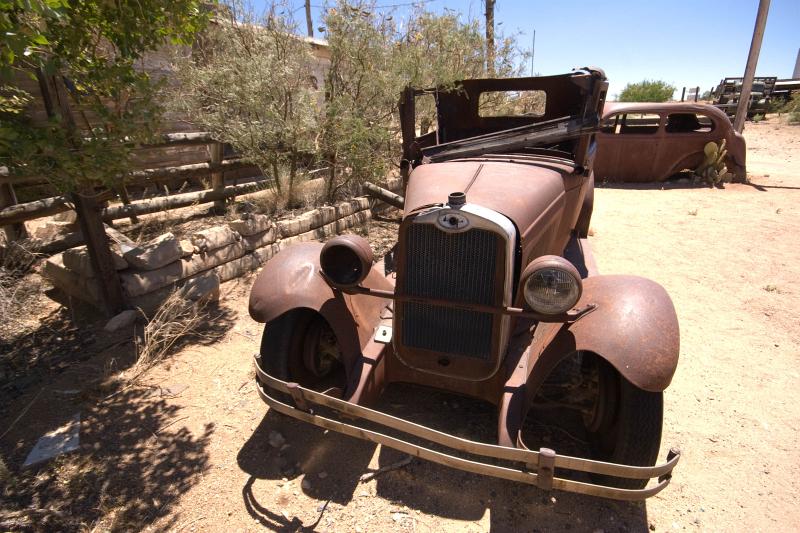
627,123
512,103
689,123
638,123
425,109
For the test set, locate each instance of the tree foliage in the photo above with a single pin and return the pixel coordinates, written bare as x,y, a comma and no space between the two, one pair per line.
85,53
352,117
249,82
647,91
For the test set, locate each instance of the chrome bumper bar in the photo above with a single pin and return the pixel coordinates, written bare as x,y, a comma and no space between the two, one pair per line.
535,467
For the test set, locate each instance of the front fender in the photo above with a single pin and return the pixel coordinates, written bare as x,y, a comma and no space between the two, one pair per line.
292,280
634,328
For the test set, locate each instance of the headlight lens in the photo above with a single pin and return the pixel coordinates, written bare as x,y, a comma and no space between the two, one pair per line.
552,286
346,260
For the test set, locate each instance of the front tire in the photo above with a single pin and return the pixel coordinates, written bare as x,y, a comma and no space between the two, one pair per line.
300,346
625,424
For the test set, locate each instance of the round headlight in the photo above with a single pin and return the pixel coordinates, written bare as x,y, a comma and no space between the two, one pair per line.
346,260
551,285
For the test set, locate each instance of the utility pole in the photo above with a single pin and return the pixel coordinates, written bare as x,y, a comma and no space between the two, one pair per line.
309,22
490,37
533,50
750,69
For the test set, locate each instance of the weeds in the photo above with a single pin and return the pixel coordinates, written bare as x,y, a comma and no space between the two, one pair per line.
16,259
176,321
757,118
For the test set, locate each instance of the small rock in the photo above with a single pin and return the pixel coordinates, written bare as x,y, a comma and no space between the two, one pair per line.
276,440
652,526
186,247
203,288
305,484
123,320
397,517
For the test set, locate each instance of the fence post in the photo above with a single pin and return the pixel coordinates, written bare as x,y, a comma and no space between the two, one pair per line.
14,232
217,177
97,242
683,93
696,93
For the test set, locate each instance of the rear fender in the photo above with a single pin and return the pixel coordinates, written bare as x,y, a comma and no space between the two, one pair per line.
292,280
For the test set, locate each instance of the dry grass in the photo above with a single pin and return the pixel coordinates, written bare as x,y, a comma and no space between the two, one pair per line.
175,322
16,259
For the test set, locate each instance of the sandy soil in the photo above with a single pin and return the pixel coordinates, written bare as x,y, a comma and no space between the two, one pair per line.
193,448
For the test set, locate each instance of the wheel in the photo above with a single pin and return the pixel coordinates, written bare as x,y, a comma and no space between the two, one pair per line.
300,346
624,424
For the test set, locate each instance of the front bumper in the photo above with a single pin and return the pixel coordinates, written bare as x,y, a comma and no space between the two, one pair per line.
526,466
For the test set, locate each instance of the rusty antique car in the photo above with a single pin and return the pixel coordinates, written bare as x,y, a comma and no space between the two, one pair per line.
491,286
640,142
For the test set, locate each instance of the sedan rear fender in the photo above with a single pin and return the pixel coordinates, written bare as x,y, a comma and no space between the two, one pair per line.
634,327
292,280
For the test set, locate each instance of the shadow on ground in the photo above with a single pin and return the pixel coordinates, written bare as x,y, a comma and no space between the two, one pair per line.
424,486
135,458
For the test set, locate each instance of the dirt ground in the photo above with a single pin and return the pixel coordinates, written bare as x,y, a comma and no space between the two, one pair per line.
192,448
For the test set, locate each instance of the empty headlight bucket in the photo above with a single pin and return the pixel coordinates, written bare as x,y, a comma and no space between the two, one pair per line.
551,285
345,260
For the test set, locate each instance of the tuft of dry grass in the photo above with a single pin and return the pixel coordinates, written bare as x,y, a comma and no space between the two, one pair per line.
175,322
16,259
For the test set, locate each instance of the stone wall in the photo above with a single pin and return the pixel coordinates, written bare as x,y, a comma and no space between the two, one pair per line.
150,271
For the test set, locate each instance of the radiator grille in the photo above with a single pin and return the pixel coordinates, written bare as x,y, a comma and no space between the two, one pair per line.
453,266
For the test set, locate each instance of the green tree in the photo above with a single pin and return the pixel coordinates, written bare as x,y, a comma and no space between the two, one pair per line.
647,91
249,82
84,52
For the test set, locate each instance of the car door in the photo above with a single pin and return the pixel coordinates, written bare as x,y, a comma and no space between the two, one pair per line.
626,146
685,135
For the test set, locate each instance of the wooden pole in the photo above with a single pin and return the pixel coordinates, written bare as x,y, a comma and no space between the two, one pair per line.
88,211
490,37
683,94
309,22
154,205
217,178
98,244
750,69
696,93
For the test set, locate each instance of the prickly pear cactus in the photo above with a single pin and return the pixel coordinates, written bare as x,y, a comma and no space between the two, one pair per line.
713,169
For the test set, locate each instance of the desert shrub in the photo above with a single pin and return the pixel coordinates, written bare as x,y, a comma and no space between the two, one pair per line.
792,107
249,82
758,117
647,91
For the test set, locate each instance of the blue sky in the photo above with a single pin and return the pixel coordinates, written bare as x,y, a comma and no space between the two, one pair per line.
686,43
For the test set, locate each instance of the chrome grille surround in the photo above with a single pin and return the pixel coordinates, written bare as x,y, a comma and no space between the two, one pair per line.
456,263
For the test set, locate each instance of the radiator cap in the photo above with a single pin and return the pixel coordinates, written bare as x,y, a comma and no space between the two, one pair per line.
456,199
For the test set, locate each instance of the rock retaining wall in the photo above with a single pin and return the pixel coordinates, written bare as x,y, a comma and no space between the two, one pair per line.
149,272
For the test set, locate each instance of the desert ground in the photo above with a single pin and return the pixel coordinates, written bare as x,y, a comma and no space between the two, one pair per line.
190,447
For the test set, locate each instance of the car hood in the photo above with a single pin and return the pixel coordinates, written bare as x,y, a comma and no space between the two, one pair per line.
527,194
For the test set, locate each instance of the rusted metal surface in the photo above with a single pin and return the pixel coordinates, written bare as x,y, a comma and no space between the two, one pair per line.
544,461
472,223
625,154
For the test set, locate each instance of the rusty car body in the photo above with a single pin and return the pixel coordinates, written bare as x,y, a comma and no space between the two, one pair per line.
492,286
641,142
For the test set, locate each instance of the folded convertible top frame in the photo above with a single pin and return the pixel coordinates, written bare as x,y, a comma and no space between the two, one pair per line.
538,467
